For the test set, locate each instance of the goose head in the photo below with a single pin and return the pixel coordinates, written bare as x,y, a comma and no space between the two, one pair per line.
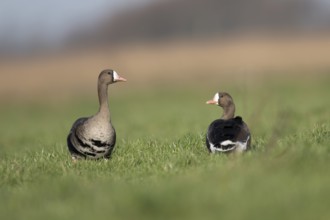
221,99
225,101
109,76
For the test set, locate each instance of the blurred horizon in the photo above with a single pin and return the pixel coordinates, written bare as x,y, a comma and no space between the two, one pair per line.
57,48
45,25
34,26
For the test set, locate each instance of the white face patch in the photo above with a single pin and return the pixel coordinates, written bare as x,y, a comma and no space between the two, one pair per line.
115,76
216,97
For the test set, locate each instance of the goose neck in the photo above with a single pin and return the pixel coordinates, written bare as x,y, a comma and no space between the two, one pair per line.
103,100
228,112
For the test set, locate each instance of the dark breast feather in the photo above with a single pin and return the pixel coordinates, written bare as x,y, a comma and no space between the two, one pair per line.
99,143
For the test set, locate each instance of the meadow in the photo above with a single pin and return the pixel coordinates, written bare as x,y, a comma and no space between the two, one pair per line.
160,168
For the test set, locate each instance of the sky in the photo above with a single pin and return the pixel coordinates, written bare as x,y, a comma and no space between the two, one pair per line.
24,20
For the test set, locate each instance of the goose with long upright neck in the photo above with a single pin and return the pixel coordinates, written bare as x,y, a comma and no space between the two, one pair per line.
229,133
94,137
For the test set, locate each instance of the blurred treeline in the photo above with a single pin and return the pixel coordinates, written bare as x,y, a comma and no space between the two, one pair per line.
164,20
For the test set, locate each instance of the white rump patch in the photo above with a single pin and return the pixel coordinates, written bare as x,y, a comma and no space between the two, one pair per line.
237,146
115,76
227,142
215,149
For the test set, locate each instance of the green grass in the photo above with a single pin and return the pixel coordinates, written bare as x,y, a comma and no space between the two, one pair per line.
160,168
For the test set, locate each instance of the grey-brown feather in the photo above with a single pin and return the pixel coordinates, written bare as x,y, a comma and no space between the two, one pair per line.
94,137
83,144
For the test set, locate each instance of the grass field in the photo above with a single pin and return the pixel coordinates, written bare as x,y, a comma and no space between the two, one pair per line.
160,168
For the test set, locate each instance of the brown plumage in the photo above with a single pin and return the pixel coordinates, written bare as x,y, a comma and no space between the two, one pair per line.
229,133
94,137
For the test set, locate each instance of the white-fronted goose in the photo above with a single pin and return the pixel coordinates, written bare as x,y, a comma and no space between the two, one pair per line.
94,137
229,133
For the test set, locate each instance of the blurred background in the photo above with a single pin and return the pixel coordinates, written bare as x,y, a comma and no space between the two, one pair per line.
56,49
272,56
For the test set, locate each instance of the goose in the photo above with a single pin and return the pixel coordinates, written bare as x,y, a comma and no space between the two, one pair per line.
229,133
94,137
